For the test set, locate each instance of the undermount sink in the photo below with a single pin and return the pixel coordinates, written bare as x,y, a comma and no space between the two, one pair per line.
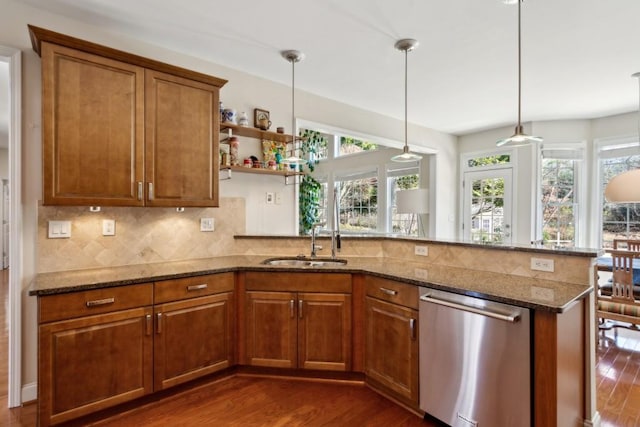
305,262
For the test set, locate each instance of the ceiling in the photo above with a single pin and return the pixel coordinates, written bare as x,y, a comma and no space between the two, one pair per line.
577,55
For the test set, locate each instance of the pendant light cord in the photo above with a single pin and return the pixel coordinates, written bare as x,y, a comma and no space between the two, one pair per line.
293,102
406,55
519,67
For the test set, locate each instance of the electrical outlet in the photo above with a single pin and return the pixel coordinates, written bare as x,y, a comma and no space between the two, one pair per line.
59,229
421,273
108,227
207,224
422,250
542,264
278,198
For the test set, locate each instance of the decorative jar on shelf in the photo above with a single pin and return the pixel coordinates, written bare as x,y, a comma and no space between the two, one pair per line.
243,120
234,143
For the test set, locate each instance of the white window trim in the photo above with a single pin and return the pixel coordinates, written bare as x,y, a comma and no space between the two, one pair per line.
596,181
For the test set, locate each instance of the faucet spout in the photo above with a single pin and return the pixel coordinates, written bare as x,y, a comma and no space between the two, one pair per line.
314,247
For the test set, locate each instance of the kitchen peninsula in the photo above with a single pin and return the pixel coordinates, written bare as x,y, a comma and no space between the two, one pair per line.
234,289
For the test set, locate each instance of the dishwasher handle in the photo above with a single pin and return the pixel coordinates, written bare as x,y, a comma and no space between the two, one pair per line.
512,317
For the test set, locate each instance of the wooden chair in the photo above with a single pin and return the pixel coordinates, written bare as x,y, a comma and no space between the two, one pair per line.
628,244
622,302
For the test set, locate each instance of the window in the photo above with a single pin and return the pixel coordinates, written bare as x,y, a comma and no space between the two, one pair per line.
619,220
559,205
359,168
400,179
358,202
349,145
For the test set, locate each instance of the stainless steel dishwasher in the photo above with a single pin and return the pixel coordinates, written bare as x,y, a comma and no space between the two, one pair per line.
475,364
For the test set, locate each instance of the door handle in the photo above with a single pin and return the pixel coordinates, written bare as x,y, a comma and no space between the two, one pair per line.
159,323
300,303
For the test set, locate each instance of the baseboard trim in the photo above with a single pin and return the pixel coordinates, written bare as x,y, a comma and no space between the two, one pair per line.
29,392
595,421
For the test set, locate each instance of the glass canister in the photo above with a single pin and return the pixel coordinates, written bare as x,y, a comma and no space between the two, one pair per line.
234,143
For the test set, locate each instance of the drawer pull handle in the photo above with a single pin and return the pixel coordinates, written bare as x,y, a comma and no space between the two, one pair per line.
97,302
389,291
191,288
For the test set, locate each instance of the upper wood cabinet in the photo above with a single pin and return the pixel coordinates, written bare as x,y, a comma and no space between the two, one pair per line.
181,143
122,130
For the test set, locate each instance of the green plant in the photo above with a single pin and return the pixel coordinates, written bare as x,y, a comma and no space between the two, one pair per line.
310,189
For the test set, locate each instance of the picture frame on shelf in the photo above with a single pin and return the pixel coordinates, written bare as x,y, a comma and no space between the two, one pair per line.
261,119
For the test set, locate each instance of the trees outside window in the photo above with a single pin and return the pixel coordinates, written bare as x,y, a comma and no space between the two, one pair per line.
559,204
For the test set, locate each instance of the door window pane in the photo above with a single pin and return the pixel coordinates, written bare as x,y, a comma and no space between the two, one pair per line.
487,210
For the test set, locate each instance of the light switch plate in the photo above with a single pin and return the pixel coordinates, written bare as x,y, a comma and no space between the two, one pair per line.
59,229
207,224
108,227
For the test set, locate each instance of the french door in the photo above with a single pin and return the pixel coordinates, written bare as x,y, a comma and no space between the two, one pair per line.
487,206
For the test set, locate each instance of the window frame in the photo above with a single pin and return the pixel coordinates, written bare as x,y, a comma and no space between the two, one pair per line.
627,146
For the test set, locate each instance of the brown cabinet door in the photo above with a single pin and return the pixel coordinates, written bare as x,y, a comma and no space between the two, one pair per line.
181,141
391,347
324,331
93,129
271,329
192,338
90,363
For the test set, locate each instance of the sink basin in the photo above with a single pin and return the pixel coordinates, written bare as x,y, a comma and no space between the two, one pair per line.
305,262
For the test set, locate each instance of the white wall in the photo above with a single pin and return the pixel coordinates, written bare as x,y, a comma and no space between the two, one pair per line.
243,92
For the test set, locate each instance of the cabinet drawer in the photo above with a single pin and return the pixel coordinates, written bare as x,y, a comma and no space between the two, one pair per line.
191,287
95,301
303,282
392,291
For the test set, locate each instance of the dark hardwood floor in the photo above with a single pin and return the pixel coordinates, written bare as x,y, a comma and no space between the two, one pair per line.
618,378
253,401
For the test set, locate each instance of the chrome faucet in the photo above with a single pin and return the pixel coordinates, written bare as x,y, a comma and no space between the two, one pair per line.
314,247
335,234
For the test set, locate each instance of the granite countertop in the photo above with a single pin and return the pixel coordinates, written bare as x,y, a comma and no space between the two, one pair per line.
525,292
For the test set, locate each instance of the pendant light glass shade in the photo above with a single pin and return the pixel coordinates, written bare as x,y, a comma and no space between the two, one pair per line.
625,188
293,56
406,45
519,138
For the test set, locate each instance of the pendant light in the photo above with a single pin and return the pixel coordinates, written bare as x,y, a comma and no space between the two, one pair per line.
519,138
293,56
406,46
625,188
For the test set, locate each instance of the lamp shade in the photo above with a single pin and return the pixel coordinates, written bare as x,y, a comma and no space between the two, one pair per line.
624,188
412,201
